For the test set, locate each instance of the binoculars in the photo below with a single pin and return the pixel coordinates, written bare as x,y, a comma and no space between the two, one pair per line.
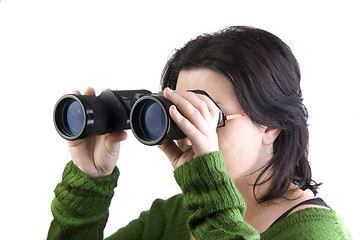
145,113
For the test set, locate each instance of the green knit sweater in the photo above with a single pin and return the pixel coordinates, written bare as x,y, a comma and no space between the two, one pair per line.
210,207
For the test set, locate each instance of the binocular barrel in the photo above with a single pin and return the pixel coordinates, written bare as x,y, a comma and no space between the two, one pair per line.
151,122
80,116
146,114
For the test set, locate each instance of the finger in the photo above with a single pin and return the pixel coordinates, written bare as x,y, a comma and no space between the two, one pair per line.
212,107
113,140
192,108
186,98
117,136
189,129
199,102
89,91
172,151
205,106
76,92
106,89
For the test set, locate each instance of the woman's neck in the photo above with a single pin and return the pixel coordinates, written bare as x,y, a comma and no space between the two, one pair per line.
262,215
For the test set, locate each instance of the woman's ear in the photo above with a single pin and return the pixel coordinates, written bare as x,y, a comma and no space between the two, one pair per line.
270,135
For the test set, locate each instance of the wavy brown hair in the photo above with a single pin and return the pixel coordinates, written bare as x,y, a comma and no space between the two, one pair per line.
266,77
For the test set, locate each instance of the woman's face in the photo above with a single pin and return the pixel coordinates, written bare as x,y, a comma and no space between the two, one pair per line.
240,140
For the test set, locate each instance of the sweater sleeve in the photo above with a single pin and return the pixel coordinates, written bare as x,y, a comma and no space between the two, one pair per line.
217,206
80,207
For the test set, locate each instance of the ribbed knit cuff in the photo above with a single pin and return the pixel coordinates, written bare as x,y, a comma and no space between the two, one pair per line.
206,185
216,204
83,195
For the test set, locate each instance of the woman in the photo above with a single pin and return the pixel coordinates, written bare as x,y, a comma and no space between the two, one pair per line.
245,180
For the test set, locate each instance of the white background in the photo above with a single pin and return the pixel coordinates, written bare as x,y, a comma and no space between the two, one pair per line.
48,48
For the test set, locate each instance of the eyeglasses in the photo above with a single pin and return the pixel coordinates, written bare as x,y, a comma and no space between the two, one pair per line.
224,117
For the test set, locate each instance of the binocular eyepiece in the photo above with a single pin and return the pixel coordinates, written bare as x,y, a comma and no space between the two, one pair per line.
146,114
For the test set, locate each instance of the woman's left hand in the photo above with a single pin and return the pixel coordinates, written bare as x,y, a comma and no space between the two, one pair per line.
198,121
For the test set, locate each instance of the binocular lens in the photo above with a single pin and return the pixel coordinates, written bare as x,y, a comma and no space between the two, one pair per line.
150,121
74,117
69,117
153,120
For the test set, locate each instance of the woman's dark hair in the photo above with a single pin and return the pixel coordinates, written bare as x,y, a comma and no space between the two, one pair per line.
266,78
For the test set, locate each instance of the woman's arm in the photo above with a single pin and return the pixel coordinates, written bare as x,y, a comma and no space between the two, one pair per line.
80,207
82,199
216,204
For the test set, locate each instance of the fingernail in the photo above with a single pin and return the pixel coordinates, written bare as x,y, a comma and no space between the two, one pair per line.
170,90
174,109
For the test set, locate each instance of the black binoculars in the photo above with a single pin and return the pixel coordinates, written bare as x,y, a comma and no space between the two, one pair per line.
145,113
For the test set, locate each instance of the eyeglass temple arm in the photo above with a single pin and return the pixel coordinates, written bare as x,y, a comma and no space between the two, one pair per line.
223,117
233,116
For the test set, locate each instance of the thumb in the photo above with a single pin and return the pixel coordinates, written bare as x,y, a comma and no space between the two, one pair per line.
117,136
113,140
172,151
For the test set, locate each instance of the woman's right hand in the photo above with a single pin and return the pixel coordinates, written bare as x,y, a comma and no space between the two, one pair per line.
96,156
198,121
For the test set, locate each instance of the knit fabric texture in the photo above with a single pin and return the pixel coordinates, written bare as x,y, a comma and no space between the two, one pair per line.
210,207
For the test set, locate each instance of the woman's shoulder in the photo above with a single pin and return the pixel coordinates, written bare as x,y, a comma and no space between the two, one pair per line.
311,221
